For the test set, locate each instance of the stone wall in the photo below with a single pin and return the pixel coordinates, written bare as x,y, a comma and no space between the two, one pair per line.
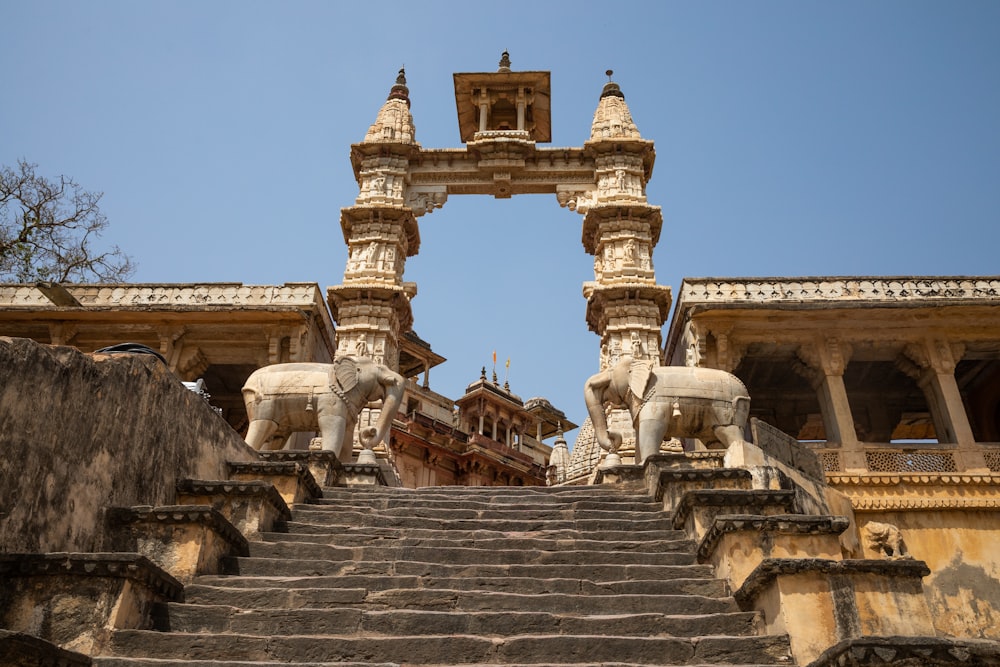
80,433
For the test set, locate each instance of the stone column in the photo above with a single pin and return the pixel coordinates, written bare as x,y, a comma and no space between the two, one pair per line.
823,364
933,368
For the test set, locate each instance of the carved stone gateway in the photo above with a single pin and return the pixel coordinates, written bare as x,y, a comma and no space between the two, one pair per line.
503,117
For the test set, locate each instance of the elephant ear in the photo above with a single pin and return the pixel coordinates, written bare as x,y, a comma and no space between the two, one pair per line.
638,376
345,374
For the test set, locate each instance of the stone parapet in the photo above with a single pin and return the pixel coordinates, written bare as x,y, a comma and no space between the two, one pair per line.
185,540
76,600
819,602
253,507
200,295
831,290
292,479
737,543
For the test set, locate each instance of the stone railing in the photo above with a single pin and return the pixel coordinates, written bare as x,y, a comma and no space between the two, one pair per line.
154,294
890,458
864,289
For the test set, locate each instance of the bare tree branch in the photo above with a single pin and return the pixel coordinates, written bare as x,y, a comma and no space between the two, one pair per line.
47,228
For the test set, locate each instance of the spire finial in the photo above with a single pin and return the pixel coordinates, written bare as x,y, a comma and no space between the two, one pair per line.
504,62
611,88
400,91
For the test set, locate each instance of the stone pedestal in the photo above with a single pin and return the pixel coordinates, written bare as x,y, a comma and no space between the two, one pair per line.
325,467
75,600
819,602
253,507
292,479
736,544
362,474
184,540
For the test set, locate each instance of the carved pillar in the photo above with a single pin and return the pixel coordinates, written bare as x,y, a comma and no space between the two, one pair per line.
933,367
823,365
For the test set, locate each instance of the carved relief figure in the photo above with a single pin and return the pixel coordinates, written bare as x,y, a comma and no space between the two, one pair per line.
286,398
620,179
361,346
630,251
885,539
637,352
614,351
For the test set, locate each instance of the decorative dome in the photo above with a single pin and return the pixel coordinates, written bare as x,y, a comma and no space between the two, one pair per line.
613,120
394,123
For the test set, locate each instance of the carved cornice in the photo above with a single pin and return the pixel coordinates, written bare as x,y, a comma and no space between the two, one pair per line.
132,566
942,479
902,503
923,491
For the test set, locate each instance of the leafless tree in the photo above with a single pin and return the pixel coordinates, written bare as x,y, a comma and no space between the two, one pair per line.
47,228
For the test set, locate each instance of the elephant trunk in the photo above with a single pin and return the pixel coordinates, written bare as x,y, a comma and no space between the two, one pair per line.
371,436
608,440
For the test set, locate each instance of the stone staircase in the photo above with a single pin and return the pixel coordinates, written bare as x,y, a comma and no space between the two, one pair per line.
459,576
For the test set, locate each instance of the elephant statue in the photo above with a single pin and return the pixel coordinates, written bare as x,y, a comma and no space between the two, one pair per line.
668,401
285,398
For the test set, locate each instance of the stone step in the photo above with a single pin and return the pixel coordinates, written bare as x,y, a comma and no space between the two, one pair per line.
188,617
105,661
521,585
299,532
505,492
486,502
455,649
296,567
560,534
454,600
647,521
487,513
464,556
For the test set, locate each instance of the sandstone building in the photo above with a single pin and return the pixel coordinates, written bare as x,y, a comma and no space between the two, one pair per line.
858,526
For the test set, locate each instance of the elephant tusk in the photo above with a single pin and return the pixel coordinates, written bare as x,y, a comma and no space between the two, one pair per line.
677,410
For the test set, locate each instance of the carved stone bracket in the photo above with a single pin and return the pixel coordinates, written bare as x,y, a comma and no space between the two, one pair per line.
827,355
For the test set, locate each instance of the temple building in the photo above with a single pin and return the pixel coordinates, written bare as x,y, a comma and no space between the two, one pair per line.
856,522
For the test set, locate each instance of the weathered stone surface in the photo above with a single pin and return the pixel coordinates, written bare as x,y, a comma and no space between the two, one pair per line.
910,652
135,430
76,600
21,650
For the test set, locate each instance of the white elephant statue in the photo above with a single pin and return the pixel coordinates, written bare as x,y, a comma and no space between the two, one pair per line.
285,398
668,401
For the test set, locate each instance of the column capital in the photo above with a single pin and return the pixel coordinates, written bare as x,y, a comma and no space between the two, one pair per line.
937,355
828,356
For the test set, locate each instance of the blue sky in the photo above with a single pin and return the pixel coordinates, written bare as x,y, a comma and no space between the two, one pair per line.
792,138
